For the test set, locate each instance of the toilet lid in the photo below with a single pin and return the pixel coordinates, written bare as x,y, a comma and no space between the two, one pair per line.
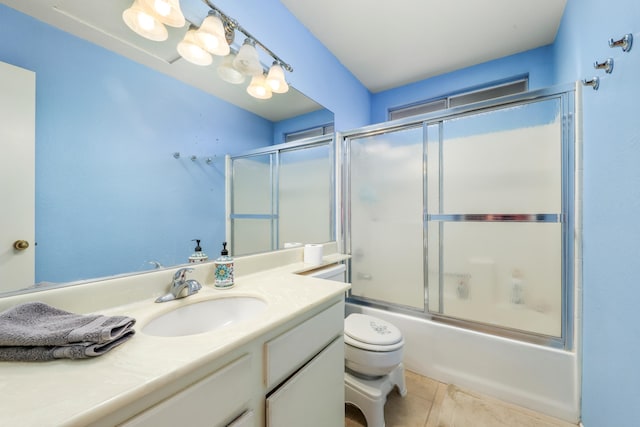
371,330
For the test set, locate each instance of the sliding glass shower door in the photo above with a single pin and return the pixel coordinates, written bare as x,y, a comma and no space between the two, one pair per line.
466,216
386,198
495,210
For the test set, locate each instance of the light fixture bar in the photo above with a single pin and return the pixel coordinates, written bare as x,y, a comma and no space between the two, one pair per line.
236,26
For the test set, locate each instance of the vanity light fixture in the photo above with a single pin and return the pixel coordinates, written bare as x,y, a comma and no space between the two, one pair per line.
167,11
275,79
144,22
228,73
247,61
258,87
192,51
213,37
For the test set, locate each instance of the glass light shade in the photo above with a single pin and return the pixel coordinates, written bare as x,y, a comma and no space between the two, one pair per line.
144,22
211,36
247,61
190,50
228,73
167,11
258,87
275,79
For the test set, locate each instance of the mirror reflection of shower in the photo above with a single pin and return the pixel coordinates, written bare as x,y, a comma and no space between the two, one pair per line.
282,195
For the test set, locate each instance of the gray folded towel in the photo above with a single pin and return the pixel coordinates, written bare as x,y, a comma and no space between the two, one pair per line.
71,351
36,331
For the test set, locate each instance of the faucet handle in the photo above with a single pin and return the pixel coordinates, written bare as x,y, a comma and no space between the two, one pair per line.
181,273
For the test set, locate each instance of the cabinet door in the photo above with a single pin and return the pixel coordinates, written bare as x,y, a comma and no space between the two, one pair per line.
314,396
212,401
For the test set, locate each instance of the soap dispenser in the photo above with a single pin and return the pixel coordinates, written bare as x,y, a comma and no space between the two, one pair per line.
197,255
224,269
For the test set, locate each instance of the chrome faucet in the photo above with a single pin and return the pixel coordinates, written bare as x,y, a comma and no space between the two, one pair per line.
181,287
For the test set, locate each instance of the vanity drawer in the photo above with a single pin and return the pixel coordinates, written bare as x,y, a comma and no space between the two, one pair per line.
213,401
288,352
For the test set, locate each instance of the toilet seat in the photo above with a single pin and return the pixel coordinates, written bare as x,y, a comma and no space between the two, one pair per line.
371,333
372,347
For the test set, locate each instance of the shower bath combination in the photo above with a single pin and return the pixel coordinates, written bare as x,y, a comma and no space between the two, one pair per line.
466,242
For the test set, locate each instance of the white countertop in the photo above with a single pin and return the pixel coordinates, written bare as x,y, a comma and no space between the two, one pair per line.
78,392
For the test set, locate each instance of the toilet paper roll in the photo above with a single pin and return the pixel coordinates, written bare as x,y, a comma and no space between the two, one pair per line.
313,254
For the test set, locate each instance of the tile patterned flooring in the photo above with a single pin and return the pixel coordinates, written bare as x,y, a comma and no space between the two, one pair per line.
430,403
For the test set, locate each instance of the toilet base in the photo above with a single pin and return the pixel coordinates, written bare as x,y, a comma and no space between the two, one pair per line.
370,395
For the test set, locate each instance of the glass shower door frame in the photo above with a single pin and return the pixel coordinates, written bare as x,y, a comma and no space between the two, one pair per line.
570,209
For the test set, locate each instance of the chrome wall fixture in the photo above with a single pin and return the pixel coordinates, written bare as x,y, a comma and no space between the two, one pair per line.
607,65
625,42
214,36
594,82
193,158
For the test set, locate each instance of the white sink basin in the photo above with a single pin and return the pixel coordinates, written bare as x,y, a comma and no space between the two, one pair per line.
204,316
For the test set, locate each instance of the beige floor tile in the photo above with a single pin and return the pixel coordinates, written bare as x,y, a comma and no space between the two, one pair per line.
408,411
420,386
433,404
434,414
463,408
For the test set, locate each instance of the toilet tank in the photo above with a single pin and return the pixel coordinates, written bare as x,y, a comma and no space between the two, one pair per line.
335,272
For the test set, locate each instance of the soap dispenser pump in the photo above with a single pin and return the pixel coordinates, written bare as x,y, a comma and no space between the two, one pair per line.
224,269
197,255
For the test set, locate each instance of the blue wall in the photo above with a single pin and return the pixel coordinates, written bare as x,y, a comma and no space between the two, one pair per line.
109,195
611,330
537,64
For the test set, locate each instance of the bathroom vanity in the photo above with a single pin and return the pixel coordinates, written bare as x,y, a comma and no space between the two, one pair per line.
282,367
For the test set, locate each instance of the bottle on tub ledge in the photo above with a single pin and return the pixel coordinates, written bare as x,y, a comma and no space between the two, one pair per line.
197,255
517,287
224,269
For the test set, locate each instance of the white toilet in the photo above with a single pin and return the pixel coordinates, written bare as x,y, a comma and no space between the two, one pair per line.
373,358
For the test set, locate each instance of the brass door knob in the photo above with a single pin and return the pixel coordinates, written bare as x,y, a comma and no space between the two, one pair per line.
20,245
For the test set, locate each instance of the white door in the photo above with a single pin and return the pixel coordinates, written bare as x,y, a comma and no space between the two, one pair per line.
17,177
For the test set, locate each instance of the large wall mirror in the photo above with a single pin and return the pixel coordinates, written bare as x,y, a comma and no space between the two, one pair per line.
130,139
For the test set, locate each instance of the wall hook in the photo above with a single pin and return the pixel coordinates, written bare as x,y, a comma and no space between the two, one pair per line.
194,158
607,65
593,82
176,155
209,160
625,42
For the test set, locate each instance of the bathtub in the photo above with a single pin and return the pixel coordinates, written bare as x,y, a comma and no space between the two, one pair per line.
543,379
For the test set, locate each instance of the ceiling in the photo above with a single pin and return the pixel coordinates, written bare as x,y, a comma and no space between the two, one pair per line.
390,44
